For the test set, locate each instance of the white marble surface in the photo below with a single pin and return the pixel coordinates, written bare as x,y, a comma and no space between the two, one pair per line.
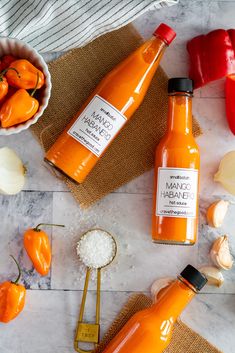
48,322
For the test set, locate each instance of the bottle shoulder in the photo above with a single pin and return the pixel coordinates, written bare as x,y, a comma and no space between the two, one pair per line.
178,142
180,153
157,328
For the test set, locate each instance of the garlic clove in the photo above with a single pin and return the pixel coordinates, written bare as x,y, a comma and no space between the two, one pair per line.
12,172
159,286
213,275
226,172
216,213
220,253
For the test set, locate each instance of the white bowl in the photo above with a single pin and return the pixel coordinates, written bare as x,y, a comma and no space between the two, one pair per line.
23,50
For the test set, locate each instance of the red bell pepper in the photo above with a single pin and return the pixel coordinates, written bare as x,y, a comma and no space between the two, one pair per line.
230,101
231,33
211,56
230,91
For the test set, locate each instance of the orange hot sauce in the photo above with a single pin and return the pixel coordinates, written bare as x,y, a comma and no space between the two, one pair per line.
177,162
150,330
106,111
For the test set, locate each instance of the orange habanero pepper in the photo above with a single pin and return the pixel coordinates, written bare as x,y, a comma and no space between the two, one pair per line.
4,84
12,298
38,248
28,75
11,91
20,107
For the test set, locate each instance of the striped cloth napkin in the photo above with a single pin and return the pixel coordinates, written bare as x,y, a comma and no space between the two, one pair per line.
58,25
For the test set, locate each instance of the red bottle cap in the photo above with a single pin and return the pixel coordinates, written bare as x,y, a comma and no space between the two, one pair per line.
165,32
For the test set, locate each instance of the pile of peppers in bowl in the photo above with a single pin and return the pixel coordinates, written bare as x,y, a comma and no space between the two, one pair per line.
19,80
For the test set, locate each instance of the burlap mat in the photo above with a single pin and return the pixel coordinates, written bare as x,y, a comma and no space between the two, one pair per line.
74,76
184,339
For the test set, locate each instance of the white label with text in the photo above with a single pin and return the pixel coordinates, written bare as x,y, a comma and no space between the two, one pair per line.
177,192
97,125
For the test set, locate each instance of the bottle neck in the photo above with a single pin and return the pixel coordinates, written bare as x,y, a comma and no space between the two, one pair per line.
170,305
150,56
180,113
153,50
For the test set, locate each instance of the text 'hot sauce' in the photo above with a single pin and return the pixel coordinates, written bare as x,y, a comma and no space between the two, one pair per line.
107,110
175,201
150,330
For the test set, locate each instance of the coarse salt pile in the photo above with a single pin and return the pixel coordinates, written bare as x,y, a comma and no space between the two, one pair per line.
96,248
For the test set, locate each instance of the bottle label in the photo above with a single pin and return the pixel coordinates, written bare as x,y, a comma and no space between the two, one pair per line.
177,190
97,125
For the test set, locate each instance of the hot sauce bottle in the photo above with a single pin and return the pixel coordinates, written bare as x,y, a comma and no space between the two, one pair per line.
150,330
175,199
110,106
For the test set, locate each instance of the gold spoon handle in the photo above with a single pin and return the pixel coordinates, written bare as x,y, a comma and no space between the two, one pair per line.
88,272
85,332
98,296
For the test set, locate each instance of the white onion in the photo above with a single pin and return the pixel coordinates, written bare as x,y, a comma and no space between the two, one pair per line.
12,172
226,172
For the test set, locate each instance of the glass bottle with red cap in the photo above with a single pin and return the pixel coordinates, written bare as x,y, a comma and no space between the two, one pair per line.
110,106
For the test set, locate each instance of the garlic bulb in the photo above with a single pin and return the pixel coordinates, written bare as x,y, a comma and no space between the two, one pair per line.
216,213
226,172
220,253
213,275
158,287
12,172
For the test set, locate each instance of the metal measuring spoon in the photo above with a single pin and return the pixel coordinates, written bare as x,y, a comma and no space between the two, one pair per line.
86,332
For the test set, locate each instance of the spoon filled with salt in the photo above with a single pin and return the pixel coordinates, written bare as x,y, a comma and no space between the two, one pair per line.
96,248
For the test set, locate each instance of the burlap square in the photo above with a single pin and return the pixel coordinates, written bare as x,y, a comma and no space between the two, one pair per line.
74,76
184,340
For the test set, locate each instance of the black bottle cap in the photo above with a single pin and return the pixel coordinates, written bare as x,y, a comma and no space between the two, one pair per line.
180,84
194,277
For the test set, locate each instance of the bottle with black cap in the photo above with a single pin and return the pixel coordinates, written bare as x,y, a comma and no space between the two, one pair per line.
177,162
150,330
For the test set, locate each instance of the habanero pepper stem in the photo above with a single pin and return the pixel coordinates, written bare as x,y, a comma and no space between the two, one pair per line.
3,72
36,86
19,270
36,229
